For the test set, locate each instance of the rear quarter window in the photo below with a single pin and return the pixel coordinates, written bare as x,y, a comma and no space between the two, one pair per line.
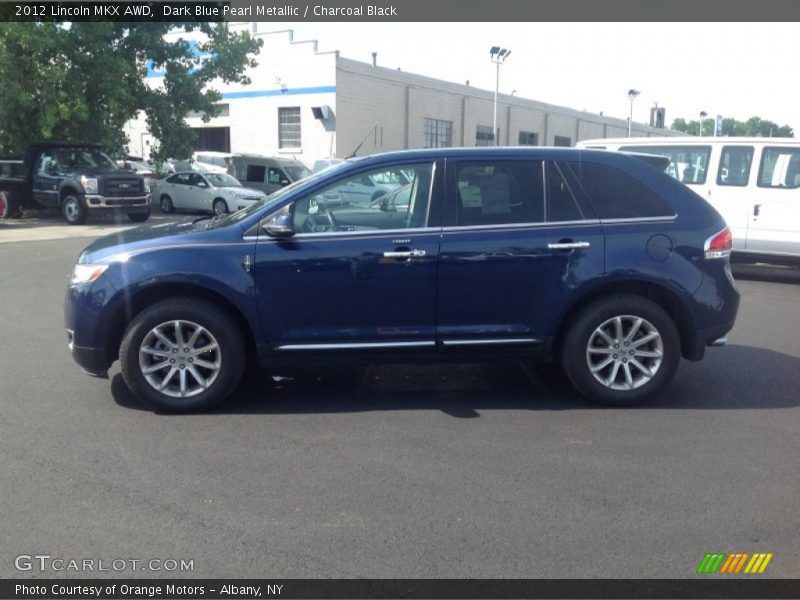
617,195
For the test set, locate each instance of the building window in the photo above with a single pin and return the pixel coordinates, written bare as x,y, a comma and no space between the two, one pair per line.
562,140
289,127
528,138
483,136
438,133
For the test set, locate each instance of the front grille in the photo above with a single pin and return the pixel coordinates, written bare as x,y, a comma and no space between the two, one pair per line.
122,187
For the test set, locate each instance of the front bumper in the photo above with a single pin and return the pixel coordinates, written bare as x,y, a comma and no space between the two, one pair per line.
96,202
92,360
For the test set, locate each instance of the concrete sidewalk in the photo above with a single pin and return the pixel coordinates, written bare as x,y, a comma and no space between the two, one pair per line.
42,225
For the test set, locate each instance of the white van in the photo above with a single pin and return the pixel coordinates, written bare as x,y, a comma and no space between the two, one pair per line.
753,182
212,162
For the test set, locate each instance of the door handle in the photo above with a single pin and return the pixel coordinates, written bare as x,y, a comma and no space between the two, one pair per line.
568,245
756,210
405,254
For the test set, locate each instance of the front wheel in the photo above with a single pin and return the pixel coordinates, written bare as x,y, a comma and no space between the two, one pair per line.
182,355
220,206
139,217
166,204
621,350
74,211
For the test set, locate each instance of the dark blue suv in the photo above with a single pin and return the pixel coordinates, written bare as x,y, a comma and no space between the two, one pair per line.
595,260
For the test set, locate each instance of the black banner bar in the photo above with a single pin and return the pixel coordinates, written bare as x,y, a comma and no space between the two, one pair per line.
404,10
247,589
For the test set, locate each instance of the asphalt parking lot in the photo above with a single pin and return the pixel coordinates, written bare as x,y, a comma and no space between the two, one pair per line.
446,471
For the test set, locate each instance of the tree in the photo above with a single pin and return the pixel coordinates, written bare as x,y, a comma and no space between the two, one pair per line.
753,127
84,81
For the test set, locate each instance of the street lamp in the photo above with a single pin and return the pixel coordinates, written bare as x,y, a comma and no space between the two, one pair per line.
499,56
703,115
632,96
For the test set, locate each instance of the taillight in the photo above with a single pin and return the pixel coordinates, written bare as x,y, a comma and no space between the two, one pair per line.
719,245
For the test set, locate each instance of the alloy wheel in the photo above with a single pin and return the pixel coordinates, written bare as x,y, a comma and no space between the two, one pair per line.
624,352
180,359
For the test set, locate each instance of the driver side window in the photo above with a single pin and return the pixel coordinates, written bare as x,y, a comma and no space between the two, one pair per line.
351,205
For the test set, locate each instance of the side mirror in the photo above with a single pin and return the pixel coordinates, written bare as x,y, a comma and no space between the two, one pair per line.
285,182
279,224
202,184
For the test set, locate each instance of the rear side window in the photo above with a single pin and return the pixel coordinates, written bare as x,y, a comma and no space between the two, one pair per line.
688,164
734,165
256,173
617,195
780,168
499,192
562,205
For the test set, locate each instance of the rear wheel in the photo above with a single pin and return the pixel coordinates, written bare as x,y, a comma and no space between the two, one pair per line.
220,206
9,207
621,350
73,210
182,355
166,204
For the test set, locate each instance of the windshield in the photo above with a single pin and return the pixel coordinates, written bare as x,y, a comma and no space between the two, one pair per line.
78,158
275,197
297,173
222,180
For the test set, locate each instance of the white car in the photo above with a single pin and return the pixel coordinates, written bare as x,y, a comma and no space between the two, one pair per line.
212,192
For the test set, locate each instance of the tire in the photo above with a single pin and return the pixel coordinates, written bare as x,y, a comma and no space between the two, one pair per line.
73,210
584,346
139,217
166,204
222,358
9,207
220,206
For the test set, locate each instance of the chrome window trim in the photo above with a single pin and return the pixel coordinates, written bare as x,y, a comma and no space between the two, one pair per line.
507,226
370,232
490,341
622,221
376,233
357,345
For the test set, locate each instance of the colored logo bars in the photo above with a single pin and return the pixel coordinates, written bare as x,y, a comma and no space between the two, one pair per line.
734,562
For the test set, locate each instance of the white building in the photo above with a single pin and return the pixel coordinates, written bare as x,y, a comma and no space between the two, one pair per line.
311,105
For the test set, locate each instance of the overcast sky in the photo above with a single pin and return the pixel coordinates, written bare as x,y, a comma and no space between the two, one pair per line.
733,69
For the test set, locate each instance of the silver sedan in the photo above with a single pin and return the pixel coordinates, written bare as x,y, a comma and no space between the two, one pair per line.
210,192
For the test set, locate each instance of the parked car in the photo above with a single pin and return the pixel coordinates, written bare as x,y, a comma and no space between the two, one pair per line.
77,179
266,173
212,162
324,163
594,260
211,192
753,182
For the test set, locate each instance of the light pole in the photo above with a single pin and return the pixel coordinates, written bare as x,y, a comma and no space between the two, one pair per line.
632,96
703,115
499,56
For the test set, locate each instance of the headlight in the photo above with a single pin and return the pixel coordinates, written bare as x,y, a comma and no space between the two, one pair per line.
86,273
89,184
146,186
